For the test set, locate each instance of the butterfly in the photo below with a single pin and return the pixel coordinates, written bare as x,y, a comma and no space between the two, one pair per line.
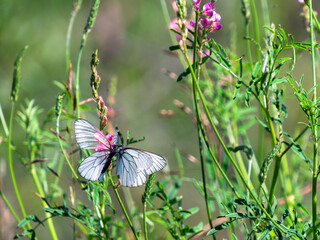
133,165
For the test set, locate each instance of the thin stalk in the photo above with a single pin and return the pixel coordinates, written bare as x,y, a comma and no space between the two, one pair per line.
195,85
5,200
3,121
41,192
228,153
77,6
277,158
296,139
315,130
256,29
64,153
258,57
90,22
248,43
196,105
77,82
13,179
122,206
145,230
265,13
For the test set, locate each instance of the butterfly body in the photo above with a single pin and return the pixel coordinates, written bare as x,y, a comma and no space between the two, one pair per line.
133,165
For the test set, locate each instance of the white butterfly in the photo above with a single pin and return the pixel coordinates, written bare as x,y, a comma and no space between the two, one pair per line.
133,165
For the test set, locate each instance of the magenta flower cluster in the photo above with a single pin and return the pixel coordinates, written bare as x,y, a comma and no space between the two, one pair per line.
208,19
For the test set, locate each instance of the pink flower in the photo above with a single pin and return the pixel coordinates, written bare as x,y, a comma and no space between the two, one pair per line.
196,4
205,53
100,102
192,26
174,26
205,22
174,6
110,137
216,26
216,17
104,141
208,9
301,1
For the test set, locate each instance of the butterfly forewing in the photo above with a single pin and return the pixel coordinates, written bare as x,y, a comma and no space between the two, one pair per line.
91,167
133,166
84,132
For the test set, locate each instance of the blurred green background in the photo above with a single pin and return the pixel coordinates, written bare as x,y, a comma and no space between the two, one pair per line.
133,40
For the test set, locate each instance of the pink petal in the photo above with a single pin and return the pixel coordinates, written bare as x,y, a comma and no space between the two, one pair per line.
101,147
110,137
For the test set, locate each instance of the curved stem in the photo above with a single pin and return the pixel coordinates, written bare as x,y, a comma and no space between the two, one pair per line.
314,124
13,179
77,6
196,105
144,220
228,153
41,192
122,206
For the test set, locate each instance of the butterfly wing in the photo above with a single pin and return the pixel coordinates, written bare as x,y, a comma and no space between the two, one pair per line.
84,132
133,166
93,166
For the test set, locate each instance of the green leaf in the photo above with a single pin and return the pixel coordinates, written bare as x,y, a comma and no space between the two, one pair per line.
220,227
237,215
247,150
29,218
298,150
278,81
26,233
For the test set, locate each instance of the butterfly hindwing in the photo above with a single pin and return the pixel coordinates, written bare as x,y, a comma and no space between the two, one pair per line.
91,168
133,166
84,132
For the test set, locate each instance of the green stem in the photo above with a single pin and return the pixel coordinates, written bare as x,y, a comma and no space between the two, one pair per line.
265,13
14,183
228,153
144,220
314,125
77,6
64,153
195,87
3,121
10,207
196,104
41,192
248,43
122,206
256,29
90,22
277,162
315,130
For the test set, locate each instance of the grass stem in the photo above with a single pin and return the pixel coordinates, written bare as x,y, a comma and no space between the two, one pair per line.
122,207
12,175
